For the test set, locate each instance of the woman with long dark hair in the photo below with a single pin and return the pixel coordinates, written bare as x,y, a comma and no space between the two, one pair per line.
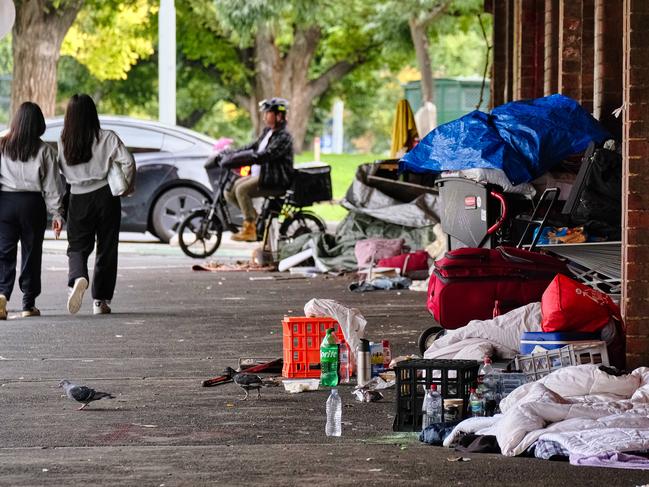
86,153
30,185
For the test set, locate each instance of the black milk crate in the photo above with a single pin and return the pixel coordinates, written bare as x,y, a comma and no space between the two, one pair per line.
453,379
311,184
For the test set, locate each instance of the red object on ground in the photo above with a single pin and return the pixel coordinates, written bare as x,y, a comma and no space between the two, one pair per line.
468,284
302,338
414,261
570,306
224,379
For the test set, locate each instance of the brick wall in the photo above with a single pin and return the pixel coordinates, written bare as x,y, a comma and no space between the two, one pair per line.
551,48
635,248
587,53
509,51
607,95
499,64
530,49
570,43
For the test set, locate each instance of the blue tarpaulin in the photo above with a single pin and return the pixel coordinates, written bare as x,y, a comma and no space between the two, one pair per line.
523,138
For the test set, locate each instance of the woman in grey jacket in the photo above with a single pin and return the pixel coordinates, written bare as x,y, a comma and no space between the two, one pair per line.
30,186
86,153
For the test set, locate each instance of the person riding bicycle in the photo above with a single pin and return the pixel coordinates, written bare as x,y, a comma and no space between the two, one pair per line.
271,157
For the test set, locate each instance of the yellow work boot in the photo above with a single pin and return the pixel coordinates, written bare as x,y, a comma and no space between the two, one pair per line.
248,233
3,307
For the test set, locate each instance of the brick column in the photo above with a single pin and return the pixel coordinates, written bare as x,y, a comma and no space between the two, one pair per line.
607,94
509,52
635,244
499,64
570,23
551,48
529,49
587,53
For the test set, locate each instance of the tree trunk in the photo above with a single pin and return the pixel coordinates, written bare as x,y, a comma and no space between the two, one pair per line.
37,36
419,24
419,35
287,76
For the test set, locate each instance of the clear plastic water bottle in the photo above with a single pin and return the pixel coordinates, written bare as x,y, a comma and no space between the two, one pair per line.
432,407
344,366
334,414
486,368
489,389
476,406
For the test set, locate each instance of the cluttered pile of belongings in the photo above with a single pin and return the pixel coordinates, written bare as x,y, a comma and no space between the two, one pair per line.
520,147
566,306
372,215
524,147
593,415
524,139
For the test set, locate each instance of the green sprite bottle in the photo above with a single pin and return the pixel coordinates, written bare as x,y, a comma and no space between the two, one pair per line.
329,360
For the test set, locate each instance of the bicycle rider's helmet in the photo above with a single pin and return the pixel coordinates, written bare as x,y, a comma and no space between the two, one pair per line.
277,105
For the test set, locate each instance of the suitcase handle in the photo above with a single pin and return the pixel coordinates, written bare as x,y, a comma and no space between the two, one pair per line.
503,212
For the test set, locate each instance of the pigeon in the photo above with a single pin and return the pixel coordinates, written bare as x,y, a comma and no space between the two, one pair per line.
82,393
247,382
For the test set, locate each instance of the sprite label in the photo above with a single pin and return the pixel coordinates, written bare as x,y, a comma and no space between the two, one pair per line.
329,361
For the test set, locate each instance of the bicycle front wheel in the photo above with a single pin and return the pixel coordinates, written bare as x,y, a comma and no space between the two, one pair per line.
301,223
198,235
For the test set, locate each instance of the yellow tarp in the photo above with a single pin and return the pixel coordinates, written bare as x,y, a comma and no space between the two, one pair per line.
404,130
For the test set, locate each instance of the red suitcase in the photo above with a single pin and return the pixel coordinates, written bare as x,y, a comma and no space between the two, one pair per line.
477,284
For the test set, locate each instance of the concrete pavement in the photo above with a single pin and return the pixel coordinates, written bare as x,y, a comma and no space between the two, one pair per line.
172,328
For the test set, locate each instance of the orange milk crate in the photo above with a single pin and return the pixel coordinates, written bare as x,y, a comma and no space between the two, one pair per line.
302,338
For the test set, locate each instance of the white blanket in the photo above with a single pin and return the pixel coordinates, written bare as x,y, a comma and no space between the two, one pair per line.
586,410
499,336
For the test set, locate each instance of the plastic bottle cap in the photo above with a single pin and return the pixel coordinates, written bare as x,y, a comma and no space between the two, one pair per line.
472,389
487,360
433,387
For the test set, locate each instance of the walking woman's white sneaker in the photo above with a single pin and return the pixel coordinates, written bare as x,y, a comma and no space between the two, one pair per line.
3,307
75,295
100,307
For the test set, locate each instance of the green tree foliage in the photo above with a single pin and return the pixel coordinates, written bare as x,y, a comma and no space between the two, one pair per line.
110,38
218,74
6,59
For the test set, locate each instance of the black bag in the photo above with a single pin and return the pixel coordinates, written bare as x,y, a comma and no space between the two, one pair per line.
239,158
601,198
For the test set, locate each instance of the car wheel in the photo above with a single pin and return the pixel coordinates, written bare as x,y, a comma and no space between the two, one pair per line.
428,336
171,208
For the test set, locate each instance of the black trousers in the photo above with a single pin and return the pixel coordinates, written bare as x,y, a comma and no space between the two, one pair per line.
23,219
94,216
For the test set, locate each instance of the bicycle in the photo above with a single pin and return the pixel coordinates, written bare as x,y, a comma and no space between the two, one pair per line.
200,233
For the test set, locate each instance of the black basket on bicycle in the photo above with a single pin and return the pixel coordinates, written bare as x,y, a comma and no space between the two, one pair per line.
311,184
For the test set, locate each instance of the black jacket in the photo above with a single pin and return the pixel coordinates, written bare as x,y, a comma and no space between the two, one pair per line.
276,160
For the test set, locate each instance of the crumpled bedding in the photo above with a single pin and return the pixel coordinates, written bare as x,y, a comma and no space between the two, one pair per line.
499,336
585,410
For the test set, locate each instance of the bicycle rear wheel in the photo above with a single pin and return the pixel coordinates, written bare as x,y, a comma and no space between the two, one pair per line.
198,235
301,223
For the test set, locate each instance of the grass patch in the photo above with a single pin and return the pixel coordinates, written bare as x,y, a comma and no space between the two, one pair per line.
343,169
